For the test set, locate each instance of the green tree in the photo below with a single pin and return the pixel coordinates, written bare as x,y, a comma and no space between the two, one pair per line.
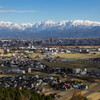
43,97
34,97
18,94
7,94
48,98
26,93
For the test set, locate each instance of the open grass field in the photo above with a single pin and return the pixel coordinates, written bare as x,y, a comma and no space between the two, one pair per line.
6,55
84,46
43,74
71,64
3,75
77,55
92,85
94,96
72,60
91,93
36,54
69,56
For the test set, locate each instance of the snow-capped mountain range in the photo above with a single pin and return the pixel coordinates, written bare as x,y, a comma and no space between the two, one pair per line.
50,29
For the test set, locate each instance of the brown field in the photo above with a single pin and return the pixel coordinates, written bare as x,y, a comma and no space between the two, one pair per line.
6,55
37,54
78,46
69,56
77,55
43,74
92,93
94,96
3,75
1,51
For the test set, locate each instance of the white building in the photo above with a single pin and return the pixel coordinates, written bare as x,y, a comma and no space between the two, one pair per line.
18,71
81,71
99,49
50,53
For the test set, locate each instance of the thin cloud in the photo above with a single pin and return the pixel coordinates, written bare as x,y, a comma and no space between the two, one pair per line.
18,11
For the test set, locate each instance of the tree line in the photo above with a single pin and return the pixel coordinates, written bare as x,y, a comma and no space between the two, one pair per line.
24,94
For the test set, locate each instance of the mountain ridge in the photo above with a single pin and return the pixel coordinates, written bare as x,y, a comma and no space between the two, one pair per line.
50,29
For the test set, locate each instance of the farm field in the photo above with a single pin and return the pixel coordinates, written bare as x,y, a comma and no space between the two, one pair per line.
77,55
3,75
94,96
71,64
91,93
43,74
69,56
84,46
6,55
36,55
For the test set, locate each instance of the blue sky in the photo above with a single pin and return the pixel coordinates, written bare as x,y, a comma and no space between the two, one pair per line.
29,11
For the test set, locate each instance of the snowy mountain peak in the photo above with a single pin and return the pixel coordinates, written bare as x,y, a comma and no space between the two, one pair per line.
62,22
49,27
86,23
49,22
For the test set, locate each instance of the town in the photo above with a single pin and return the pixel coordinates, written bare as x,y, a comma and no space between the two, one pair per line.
50,67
